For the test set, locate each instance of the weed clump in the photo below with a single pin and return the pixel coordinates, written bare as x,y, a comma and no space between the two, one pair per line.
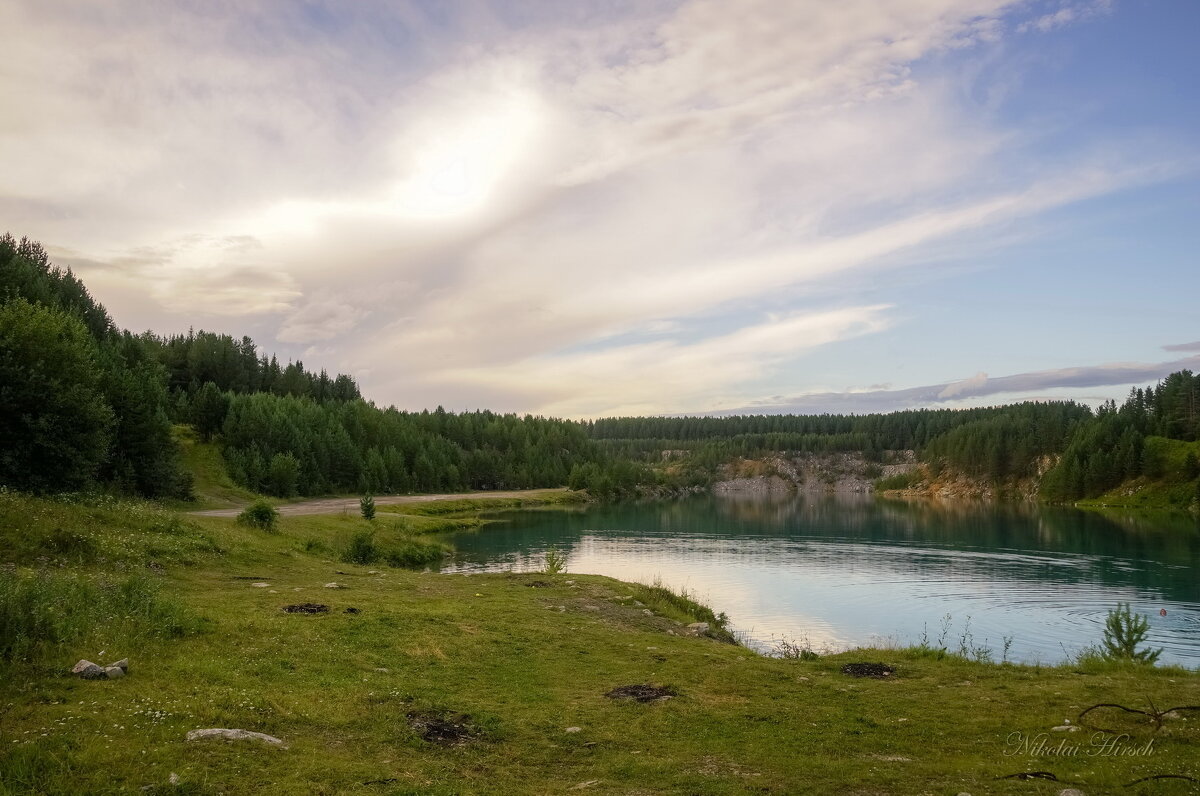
362,549
260,514
42,610
413,553
407,552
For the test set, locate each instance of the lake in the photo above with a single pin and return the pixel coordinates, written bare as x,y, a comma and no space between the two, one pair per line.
834,570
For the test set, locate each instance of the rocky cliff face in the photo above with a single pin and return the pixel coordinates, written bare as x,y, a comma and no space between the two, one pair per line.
853,472
811,472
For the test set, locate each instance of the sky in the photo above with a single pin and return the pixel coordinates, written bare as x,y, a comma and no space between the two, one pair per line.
597,208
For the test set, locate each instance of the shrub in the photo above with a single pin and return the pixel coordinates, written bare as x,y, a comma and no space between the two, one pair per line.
556,562
413,553
1123,633
259,514
366,506
362,549
898,481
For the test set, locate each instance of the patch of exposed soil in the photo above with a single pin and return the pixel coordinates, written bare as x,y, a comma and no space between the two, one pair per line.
306,608
642,693
538,584
353,610
878,670
443,729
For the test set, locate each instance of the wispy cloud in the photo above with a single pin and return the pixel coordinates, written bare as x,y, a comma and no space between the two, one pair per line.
1068,13
486,205
1028,386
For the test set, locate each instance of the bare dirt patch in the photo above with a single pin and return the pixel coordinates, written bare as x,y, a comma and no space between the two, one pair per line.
306,608
443,729
876,670
642,693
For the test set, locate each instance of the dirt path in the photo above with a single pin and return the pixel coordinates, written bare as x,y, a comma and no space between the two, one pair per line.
350,505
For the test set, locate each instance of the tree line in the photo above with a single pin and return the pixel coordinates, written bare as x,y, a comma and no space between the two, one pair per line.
83,403
1113,446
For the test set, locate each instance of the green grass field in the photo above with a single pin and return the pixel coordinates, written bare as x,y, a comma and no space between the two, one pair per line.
468,684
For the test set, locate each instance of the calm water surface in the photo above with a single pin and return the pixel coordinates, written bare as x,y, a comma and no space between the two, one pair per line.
838,570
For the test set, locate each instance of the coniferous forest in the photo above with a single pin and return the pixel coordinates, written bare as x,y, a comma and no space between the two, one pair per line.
88,405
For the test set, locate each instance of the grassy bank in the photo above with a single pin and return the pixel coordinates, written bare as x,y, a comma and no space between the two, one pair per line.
451,684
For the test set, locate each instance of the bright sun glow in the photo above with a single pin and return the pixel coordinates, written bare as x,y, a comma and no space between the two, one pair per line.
456,166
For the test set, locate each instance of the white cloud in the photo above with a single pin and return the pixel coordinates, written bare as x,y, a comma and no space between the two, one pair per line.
494,217
1067,14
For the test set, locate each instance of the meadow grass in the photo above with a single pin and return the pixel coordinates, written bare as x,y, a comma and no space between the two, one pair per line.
516,659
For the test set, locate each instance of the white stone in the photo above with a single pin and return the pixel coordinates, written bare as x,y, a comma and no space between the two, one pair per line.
88,670
573,729
235,735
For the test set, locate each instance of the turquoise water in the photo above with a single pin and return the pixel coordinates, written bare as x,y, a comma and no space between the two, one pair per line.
836,571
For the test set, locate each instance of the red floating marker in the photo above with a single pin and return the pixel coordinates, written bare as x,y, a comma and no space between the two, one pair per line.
1162,611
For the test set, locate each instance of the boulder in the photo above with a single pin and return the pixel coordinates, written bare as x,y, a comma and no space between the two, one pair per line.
114,672
89,671
235,735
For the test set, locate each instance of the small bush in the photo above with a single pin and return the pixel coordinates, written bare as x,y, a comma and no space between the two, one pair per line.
362,549
898,481
413,553
314,546
366,506
556,562
1123,634
260,514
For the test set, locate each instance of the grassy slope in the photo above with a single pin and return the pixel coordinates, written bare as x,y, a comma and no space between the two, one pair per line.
213,487
524,663
1168,492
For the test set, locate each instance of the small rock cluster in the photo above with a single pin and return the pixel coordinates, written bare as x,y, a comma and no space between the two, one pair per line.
87,670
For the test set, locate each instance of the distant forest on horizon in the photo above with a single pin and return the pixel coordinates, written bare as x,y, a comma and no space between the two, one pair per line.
87,405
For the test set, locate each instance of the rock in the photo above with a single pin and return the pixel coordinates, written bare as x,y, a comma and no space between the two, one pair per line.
235,735
573,729
261,585
89,671
698,628
647,612
591,608
114,672
334,586
173,779
123,663
1065,728
1071,792
583,785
